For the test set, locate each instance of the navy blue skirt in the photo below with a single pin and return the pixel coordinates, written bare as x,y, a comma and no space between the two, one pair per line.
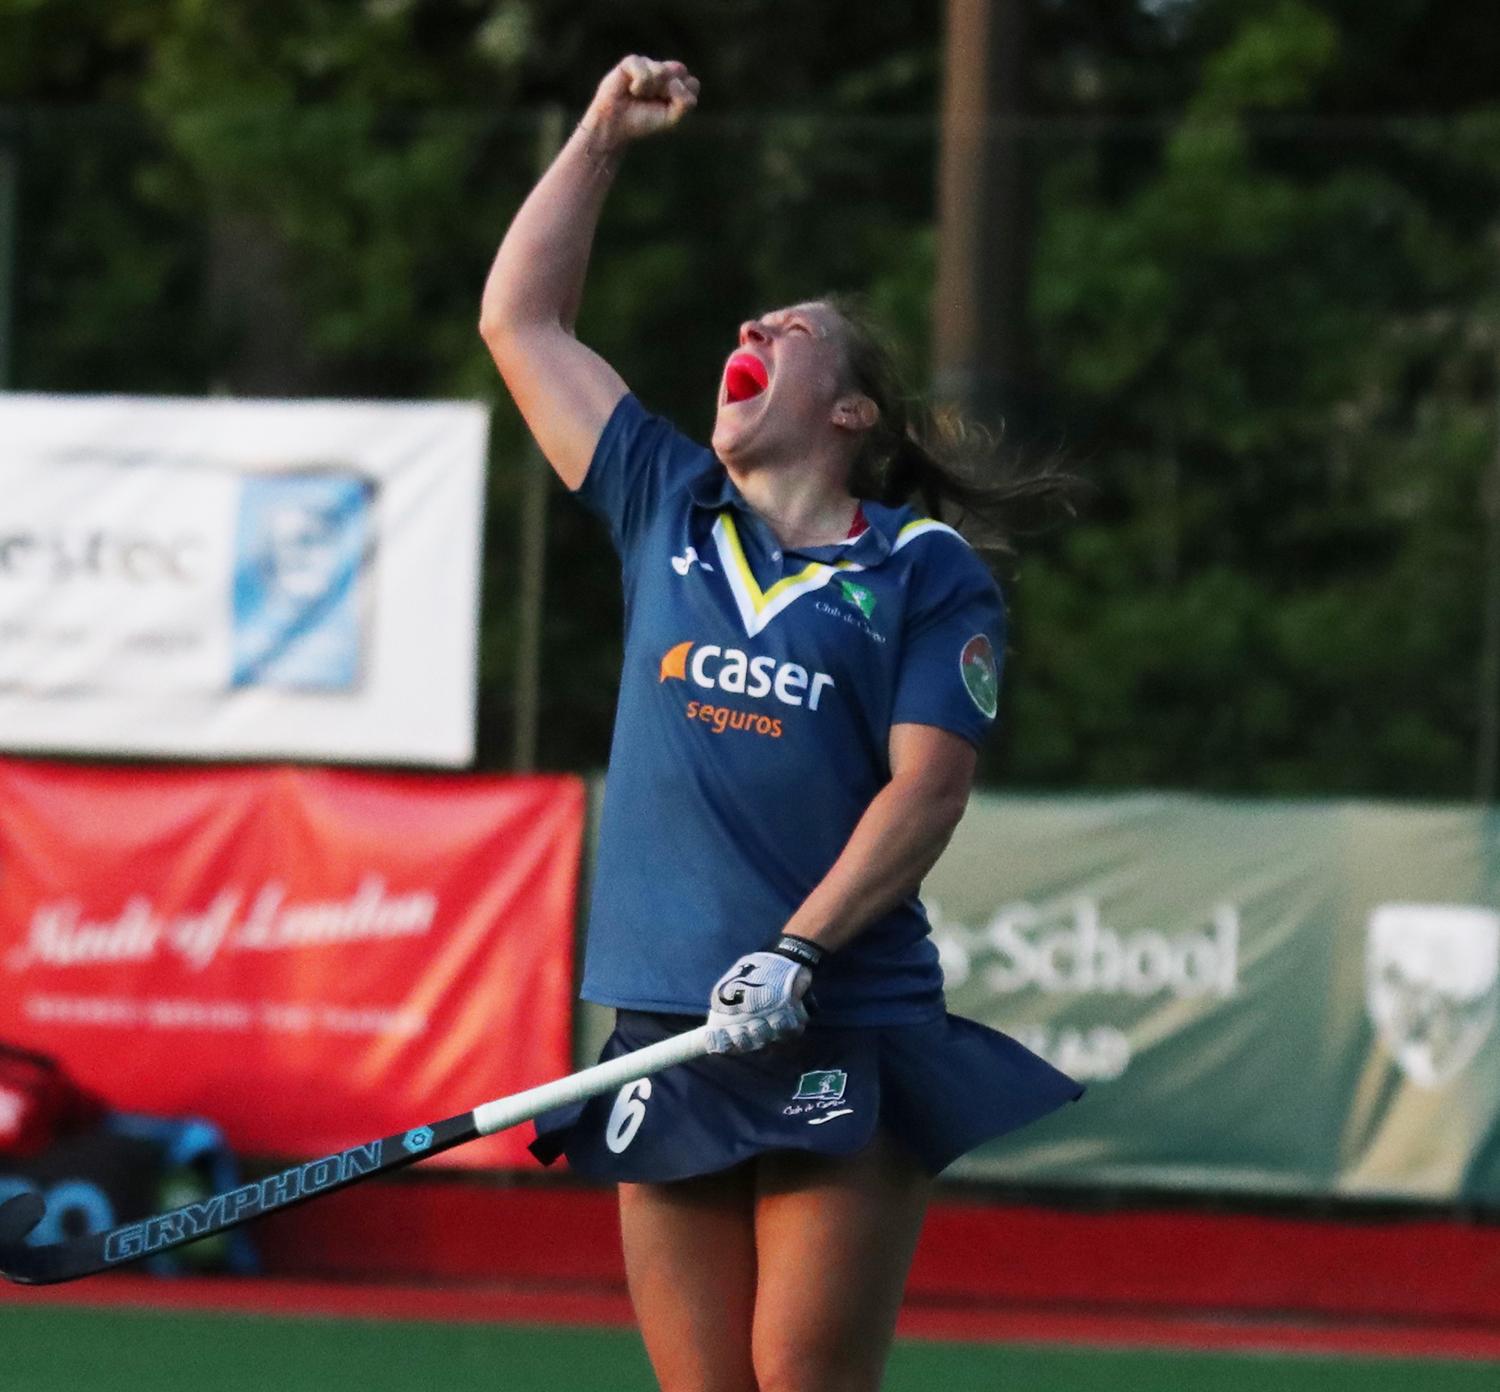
940,1088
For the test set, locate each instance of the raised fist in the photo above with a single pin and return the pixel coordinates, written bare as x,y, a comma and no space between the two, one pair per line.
639,96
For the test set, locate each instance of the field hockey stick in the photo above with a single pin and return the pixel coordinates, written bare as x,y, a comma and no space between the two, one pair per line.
85,1256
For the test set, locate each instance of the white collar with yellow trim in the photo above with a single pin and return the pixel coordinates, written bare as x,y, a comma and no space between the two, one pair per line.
888,531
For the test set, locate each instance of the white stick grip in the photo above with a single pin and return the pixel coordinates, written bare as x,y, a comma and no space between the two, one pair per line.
490,1117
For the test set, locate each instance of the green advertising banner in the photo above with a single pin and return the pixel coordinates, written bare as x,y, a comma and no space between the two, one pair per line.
1292,998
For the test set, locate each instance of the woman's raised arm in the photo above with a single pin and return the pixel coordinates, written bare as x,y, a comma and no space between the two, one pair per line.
565,390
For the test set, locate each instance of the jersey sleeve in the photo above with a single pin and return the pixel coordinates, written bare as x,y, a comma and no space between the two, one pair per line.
640,460
953,643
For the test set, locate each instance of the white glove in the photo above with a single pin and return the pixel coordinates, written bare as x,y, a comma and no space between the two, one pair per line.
759,998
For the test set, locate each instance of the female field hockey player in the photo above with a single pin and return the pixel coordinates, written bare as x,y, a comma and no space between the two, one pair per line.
809,666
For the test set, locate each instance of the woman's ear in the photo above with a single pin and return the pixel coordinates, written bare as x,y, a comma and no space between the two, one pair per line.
855,412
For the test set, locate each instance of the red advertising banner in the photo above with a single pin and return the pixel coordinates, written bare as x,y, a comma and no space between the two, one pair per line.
311,958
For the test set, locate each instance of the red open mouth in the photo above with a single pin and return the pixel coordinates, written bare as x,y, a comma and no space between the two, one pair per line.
744,377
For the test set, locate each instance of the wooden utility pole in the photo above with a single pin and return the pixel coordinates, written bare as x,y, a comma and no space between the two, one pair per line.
535,478
979,306
1487,746
10,181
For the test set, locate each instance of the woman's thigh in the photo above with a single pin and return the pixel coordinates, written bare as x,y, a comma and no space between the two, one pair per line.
690,1263
834,1238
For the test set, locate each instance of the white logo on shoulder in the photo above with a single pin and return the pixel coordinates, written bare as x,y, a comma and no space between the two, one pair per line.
1431,978
689,558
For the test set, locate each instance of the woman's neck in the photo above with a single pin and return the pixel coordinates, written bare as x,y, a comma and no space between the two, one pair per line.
804,508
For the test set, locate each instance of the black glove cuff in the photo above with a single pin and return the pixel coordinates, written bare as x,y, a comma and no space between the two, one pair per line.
809,954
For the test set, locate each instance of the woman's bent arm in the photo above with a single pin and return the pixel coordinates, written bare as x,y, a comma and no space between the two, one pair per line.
565,390
897,841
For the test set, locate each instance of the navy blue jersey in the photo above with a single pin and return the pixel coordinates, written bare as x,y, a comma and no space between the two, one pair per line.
759,689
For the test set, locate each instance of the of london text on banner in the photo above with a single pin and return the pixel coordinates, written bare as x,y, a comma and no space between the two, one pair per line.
311,958
240,579
1293,998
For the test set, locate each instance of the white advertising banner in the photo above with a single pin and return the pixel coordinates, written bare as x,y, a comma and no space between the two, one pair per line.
240,579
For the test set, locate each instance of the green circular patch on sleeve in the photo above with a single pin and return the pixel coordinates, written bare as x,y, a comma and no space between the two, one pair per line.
977,665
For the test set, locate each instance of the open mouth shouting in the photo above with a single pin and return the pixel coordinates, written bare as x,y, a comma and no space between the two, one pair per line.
745,377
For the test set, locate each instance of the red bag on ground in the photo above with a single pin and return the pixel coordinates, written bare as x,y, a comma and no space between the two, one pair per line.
39,1102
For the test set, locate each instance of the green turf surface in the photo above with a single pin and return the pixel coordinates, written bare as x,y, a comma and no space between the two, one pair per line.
74,1350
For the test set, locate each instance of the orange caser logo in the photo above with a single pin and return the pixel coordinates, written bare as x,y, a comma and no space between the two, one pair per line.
729,669
674,662
714,668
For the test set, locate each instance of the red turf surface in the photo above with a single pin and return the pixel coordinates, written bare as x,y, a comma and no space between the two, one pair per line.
462,1251
970,1254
